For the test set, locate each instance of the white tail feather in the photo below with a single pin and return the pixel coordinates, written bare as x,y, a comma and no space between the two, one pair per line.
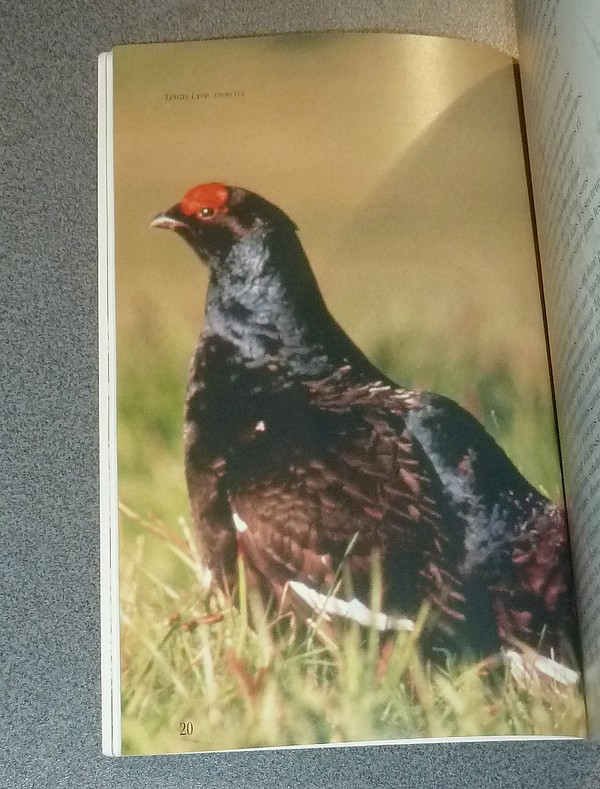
348,609
532,668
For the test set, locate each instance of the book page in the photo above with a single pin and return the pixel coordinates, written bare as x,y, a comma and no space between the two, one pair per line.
560,60
109,545
329,527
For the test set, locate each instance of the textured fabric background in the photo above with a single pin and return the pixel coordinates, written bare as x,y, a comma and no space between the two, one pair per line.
49,607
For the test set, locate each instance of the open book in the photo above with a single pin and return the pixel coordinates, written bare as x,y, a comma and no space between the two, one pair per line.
345,521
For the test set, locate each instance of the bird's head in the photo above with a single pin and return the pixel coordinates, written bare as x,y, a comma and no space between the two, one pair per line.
263,296
214,218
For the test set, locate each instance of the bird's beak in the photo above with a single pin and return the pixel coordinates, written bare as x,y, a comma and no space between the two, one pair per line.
168,220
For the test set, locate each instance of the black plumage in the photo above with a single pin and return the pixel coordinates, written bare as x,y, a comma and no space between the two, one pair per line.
303,456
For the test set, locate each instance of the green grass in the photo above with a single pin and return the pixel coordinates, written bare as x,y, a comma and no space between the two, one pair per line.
243,677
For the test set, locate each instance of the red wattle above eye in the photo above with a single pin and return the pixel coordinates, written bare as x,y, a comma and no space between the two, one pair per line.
211,195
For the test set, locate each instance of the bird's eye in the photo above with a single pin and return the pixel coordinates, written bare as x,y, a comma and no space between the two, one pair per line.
206,212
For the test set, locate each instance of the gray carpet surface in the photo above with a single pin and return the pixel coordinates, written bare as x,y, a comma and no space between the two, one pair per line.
49,571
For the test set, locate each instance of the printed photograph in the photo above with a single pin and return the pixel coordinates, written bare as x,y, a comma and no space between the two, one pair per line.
341,512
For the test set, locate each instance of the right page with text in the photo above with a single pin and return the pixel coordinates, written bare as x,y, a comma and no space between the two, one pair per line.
559,42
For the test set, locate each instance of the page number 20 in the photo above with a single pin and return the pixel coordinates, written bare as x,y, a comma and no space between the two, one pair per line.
186,728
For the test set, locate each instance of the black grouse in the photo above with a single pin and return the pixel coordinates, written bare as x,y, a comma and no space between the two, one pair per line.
304,457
